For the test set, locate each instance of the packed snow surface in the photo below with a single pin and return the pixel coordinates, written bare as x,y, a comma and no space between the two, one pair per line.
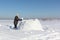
32,29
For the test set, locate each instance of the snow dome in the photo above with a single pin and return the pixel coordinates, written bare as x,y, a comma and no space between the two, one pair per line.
29,25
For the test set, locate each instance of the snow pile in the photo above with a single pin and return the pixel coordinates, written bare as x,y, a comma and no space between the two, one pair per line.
30,25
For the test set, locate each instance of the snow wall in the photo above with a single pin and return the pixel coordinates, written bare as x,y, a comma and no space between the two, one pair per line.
29,25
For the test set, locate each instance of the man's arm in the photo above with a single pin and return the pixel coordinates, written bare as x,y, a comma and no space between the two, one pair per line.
20,19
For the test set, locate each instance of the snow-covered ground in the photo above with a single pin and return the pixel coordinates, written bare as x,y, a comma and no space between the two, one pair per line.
31,30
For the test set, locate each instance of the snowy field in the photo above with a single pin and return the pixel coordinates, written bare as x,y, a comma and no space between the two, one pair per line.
33,29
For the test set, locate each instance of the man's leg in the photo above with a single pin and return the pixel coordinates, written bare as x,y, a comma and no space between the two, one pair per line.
15,26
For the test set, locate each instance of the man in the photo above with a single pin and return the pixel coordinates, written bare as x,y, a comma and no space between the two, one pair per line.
16,19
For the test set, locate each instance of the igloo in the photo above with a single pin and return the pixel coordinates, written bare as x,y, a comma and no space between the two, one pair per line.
29,25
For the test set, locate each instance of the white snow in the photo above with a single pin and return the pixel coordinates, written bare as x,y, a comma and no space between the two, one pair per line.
33,29
30,25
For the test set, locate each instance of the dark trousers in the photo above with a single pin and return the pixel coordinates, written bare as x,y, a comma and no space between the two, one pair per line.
15,26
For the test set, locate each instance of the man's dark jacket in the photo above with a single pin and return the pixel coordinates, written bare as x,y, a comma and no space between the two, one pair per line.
16,19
